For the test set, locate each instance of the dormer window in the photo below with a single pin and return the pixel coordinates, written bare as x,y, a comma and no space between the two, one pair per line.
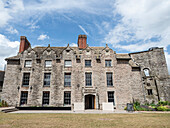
28,63
146,72
48,63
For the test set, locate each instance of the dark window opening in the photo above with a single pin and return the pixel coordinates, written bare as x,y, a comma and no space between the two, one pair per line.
58,61
46,98
26,79
150,92
67,98
111,97
24,97
78,61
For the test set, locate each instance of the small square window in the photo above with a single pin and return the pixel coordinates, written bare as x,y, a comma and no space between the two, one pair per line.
28,63
48,63
108,63
150,92
58,61
68,63
78,61
87,63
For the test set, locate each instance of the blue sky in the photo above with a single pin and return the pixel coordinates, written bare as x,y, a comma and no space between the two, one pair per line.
125,25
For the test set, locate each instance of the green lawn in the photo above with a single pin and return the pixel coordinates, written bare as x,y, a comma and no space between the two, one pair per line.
85,120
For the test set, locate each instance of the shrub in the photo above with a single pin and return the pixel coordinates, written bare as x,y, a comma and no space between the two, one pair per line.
162,108
3,104
125,108
163,103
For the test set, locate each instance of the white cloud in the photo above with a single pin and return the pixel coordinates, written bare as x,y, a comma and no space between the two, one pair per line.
43,37
7,48
73,45
83,29
8,8
12,30
143,24
168,60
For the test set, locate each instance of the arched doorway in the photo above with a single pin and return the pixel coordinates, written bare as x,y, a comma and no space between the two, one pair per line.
89,102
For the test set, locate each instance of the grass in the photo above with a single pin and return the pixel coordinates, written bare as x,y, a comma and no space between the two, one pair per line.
147,120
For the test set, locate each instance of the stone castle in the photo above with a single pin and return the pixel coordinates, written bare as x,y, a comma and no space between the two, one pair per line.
84,77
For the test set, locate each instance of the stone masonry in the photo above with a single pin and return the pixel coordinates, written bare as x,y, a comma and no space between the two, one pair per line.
130,83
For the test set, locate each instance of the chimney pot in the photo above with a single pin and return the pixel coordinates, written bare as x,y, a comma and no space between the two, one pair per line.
24,44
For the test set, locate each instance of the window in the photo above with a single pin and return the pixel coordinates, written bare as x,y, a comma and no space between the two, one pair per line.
88,79
48,63
108,63
150,92
46,98
67,98
67,79
87,63
26,79
111,97
28,63
78,61
47,77
24,97
109,79
146,71
58,61
68,63
1,85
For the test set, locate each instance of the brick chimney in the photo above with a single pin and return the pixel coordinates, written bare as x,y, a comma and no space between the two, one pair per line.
24,44
82,41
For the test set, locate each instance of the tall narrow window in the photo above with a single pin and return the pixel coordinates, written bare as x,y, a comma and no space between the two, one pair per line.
28,63
67,79
146,71
111,97
88,79
48,63
68,63
87,63
47,77
24,97
67,98
26,79
150,92
109,79
46,98
108,63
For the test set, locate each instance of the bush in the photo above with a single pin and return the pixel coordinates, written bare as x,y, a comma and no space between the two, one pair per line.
3,104
162,108
163,103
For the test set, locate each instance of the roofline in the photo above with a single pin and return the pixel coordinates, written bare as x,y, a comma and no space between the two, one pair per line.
144,51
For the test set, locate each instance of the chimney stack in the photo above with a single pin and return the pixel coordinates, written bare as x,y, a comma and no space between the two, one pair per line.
24,44
82,41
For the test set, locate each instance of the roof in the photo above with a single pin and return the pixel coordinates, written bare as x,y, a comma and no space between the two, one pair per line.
133,64
123,56
13,58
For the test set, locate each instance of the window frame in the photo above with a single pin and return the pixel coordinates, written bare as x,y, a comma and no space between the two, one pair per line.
47,80
109,84
28,66
88,64
24,98
67,65
67,81
108,63
46,99
146,72
48,65
111,99
88,81
24,79
67,100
